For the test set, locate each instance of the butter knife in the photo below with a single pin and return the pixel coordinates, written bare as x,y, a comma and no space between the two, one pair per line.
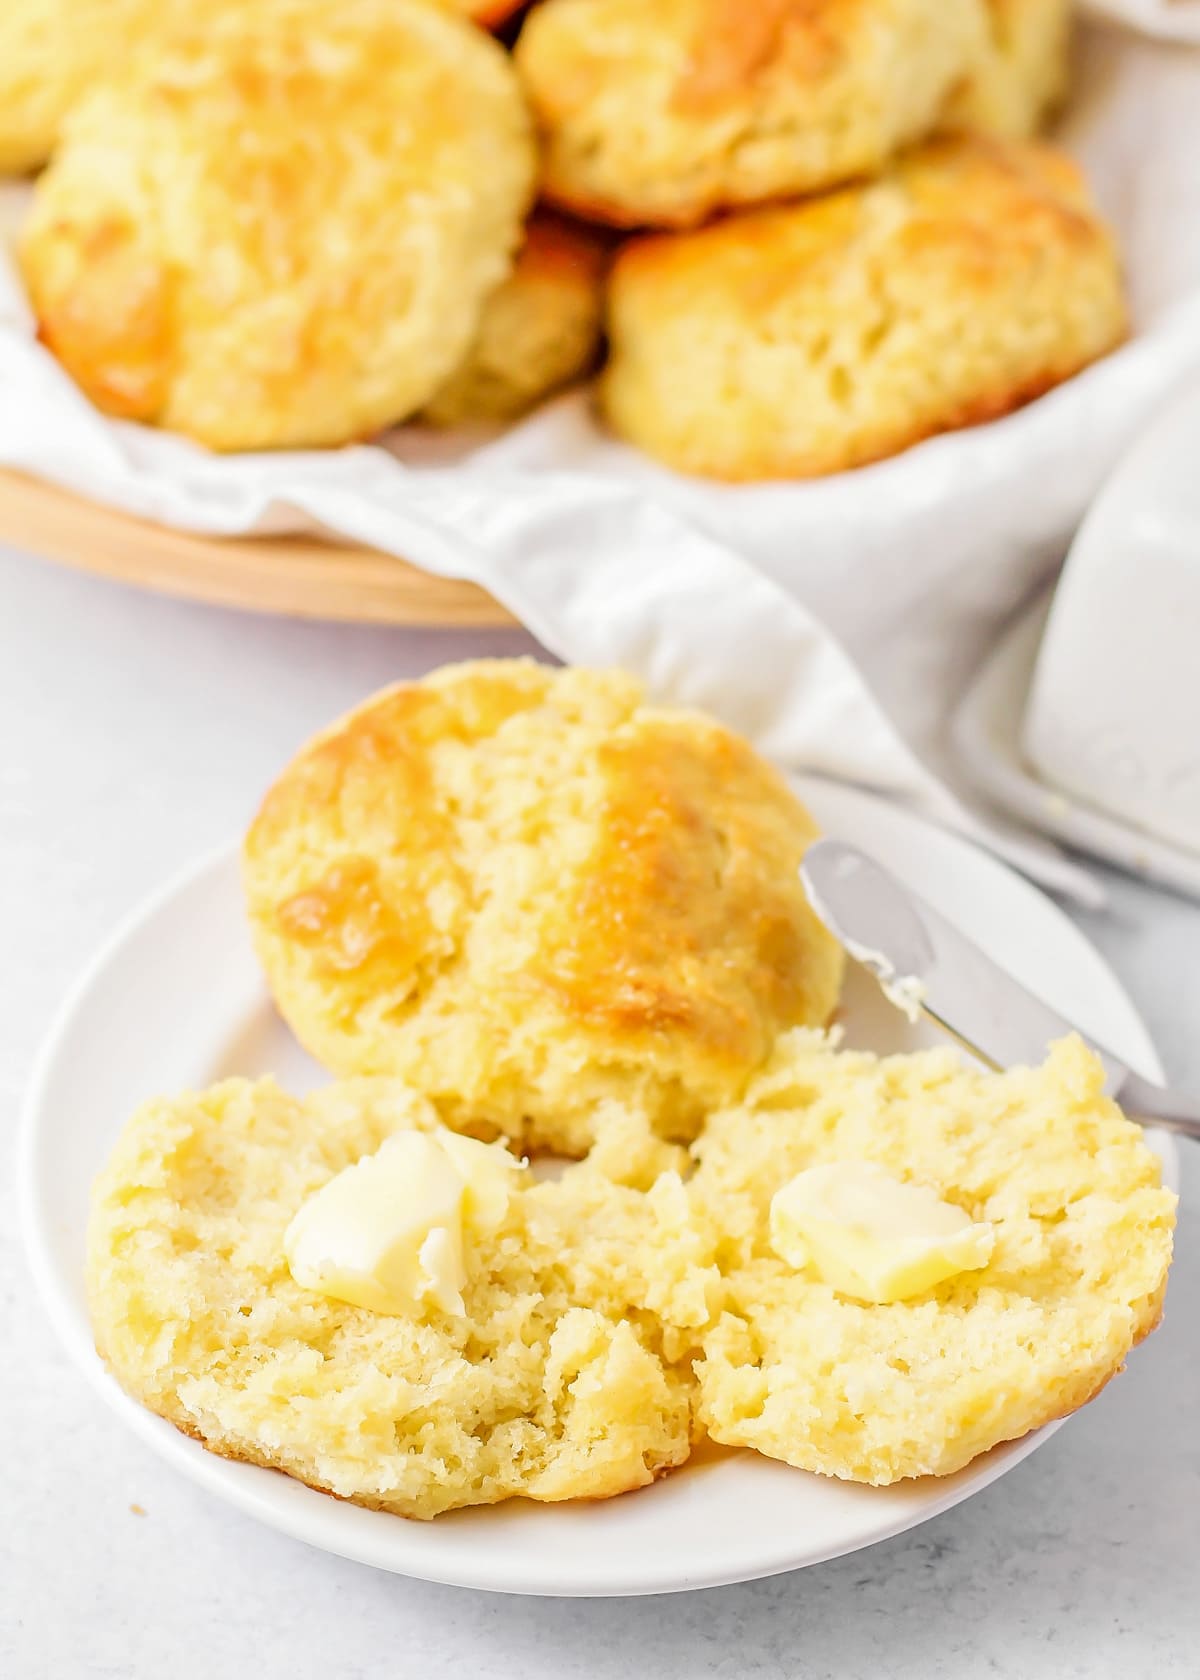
926,966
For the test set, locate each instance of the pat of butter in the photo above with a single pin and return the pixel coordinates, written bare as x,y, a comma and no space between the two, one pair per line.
388,1232
871,1236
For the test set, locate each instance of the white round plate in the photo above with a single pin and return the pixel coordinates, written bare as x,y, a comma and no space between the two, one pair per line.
176,1000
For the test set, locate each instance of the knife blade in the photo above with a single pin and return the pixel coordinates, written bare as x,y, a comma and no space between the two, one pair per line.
927,966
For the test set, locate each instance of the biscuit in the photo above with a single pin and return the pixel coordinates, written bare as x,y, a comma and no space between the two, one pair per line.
796,341
662,114
278,230
550,1385
37,82
540,329
52,51
876,1393
605,1326
1022,74
529,892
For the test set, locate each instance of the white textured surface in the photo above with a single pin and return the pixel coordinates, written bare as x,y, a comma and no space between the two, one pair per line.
136,733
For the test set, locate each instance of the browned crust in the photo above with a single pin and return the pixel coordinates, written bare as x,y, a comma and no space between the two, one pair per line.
558,246
110,324
742,39
592,207
490,14
642,944
1040,199
737,48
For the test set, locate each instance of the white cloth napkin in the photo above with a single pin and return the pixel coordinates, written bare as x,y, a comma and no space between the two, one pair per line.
833,622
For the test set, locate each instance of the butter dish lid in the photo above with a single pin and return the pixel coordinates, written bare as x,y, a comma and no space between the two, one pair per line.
985,736
1115,694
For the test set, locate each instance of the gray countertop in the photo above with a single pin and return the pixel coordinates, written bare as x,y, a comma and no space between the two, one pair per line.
137,733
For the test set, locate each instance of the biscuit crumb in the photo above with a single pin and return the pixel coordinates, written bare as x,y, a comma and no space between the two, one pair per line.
552,1383
804,1373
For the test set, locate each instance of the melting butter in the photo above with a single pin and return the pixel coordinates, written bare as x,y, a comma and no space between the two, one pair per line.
389,1232
871,1236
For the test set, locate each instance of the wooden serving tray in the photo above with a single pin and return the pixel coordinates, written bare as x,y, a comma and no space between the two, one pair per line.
303,577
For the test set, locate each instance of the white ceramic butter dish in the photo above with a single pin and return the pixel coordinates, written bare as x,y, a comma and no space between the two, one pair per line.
986,737
1113,717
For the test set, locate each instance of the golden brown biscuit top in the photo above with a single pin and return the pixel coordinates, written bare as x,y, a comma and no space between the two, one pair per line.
969,278
683,917
368,790
734,42
293,95
295,158
659,115
976,204
504,828
717,52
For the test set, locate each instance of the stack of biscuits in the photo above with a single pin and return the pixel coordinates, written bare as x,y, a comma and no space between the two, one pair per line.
812,232
532,908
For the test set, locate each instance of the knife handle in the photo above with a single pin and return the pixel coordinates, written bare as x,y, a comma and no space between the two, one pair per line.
1174,1111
